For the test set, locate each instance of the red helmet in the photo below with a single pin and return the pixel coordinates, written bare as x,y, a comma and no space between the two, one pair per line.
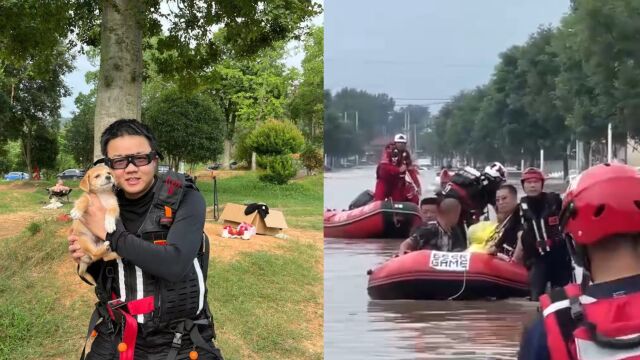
531,174
602,201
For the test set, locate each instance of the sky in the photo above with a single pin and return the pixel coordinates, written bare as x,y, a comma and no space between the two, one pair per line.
75,79
425,49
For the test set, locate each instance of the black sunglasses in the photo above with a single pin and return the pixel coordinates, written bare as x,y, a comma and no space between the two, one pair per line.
138,160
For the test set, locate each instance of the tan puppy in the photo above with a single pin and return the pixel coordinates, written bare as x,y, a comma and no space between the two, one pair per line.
98,180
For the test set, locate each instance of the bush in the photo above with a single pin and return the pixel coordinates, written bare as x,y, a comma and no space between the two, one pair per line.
276,138
311,158
262,161
280,169
34,228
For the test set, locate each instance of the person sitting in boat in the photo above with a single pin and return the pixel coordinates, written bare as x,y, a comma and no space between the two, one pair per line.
475,190
429,209
505,239
600,219
444,234
544,252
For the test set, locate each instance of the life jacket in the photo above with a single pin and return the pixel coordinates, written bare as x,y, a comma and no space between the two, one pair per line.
544,227
467,186
575,324
154,303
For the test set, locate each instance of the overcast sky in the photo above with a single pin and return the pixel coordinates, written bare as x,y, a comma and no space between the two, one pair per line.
425,49
75,79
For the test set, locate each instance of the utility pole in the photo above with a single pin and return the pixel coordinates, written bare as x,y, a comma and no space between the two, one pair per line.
356,122
609,144
415,140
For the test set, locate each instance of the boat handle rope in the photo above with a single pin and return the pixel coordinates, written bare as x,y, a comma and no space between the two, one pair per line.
464,284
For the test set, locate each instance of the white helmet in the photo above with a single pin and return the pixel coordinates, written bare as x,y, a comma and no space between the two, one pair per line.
496,171
401,138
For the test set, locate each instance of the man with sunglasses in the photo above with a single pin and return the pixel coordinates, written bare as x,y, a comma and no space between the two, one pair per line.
152,301
599,318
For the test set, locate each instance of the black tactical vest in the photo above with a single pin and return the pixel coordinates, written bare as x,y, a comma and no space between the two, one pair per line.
184,299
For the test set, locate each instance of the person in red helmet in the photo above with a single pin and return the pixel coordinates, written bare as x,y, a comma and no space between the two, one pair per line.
389,177
413,188
601,222
541,244
391,174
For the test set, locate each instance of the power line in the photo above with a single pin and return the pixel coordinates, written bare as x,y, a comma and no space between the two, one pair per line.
422,99
407,62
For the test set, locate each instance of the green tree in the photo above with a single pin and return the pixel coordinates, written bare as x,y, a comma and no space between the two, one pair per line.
187,126
276,138
311,158
118,28
372,110
249,91
306,106
340,139
274,142
79,130
34,89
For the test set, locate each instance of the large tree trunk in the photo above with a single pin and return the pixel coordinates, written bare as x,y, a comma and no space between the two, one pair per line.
26,152
227,153
119,93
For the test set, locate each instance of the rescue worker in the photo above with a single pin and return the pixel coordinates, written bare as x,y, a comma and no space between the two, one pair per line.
544,252
444,234
389,179
445,176
475,190
400,142
601,222
152,303
391,176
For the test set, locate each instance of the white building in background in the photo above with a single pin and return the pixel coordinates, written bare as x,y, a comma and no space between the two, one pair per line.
633,153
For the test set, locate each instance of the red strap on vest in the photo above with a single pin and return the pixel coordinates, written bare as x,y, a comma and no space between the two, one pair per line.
128,311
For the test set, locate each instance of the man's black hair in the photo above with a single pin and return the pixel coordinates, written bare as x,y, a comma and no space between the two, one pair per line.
123,127
512,189
430,201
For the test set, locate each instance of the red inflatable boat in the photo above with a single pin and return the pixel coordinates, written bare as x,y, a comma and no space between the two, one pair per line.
436,275
379,219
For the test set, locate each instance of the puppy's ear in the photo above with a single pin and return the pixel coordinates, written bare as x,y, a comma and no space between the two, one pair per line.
84,183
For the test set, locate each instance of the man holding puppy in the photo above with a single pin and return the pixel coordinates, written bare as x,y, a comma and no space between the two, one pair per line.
152,302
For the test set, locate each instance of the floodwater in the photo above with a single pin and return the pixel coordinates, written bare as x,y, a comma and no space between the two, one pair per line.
356,327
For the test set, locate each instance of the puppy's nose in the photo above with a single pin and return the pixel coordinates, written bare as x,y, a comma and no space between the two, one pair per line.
108,177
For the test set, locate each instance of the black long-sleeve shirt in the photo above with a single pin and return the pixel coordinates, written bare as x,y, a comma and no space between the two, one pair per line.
170,261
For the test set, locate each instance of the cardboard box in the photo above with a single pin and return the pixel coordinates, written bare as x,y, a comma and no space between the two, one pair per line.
274,224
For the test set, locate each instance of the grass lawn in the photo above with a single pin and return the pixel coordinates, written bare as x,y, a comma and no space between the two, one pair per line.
301,200
267,304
